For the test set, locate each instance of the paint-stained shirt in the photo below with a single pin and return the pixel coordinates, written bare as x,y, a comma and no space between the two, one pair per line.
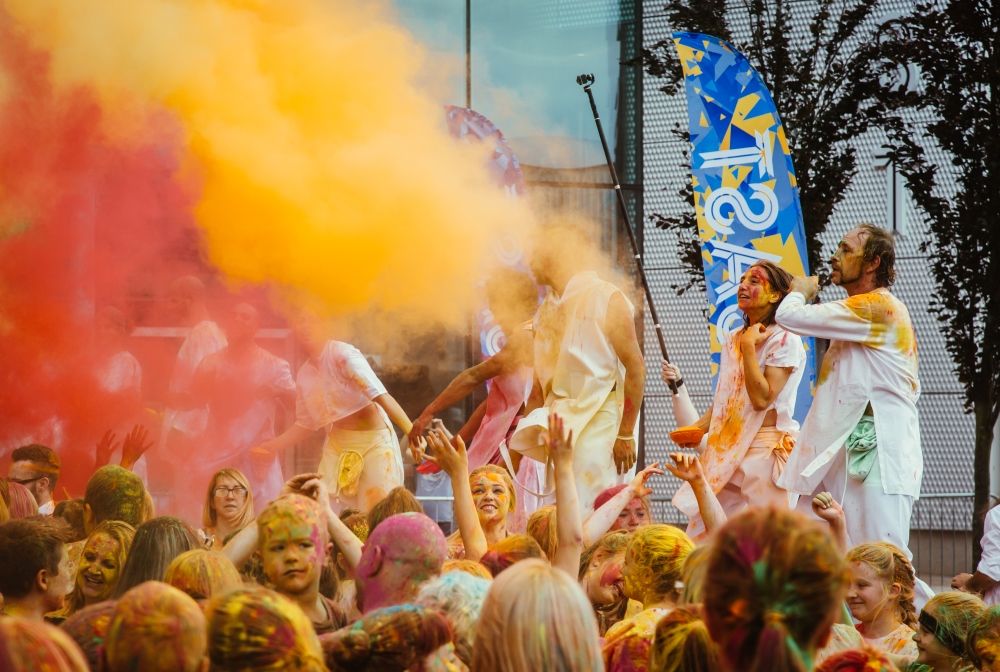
339,384
627,643
735,421
335,618
872,359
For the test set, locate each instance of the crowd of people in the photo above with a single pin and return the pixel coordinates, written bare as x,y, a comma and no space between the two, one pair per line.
795,556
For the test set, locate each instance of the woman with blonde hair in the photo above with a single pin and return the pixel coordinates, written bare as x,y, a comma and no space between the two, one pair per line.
228,507
536,617
654,560
682,644
101,563
202,574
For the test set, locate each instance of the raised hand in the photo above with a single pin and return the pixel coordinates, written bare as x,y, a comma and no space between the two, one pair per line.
750,337
105,448
418,447
686,467
449,455
134,445
828,508
559,443
420,425
295,484
669,372
638,484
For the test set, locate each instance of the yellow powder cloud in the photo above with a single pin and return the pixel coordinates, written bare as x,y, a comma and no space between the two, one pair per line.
324,166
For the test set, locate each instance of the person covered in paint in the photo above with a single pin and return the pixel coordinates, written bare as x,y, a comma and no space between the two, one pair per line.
228,507
984,641
511,550
156,628
535,617
880,598
460,597
513,298
35,572
774,586
588,367
88,627
401,554
682,644
254,628
337,391
750,426
155,545
399,500
388,639
601,577
861,439
100,565
36,467
113,493
243,386
29,644
942,636
202,574
650,574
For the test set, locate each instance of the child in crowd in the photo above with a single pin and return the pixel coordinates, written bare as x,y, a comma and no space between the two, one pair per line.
202,574
880,598
156,628
944,625
984,641
254,628
774,587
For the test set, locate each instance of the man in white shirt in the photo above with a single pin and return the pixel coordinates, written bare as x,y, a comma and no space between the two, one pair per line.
588,368
861,439
36,467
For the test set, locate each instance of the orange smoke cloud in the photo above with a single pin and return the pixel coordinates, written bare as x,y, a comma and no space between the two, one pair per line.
324,167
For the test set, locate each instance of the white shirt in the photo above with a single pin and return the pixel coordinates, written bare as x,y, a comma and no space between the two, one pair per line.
47,508
989,563
340,384
872,359
735,421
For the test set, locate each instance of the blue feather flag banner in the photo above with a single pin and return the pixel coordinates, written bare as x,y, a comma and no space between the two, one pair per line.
745,195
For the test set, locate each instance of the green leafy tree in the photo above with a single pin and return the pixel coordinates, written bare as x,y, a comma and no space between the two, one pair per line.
954,48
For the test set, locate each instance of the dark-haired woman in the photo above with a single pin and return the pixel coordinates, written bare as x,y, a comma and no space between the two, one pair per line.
750,429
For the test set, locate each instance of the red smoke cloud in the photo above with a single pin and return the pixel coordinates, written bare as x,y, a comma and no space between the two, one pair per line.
87,219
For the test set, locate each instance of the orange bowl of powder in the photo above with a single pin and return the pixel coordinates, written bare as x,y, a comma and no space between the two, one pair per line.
687,436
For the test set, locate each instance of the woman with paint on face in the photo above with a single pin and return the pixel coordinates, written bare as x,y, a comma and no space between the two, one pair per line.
750,426
601,578
228,508
101,563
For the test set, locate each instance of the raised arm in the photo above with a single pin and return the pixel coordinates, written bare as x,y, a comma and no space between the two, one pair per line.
452,458
829,509
849,320
313,486
603,517
684,410
459,388
620,327
569,529
688,468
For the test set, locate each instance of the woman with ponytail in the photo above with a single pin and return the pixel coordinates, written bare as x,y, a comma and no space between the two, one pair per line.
773,588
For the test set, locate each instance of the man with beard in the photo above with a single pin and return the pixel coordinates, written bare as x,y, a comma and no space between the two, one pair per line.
861,439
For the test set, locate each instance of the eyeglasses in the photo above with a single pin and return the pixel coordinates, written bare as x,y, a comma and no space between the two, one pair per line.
236,491
25,481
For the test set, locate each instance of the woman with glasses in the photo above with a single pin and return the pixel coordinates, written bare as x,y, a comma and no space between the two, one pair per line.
228,507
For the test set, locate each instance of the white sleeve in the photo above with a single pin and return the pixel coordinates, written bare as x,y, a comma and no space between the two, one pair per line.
360,373
787,352
989,563
834,320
